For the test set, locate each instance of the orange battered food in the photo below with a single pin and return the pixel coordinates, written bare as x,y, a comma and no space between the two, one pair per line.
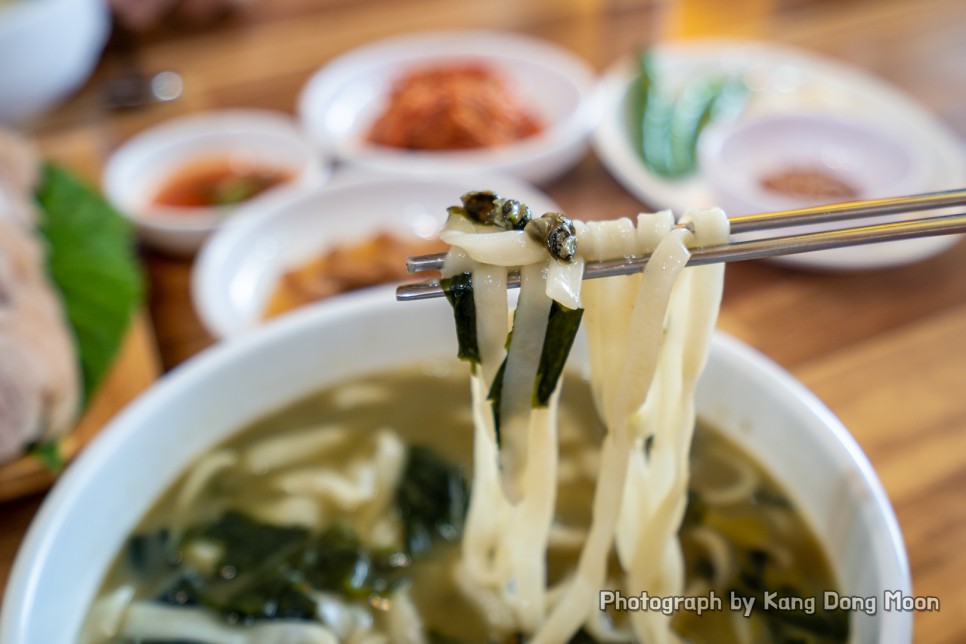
377,260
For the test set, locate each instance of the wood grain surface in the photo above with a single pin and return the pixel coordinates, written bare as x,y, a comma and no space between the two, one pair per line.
885,350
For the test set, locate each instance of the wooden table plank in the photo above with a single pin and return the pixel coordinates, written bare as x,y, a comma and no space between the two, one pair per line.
901,395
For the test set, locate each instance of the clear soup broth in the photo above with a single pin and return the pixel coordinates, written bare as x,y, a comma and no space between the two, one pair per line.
345,509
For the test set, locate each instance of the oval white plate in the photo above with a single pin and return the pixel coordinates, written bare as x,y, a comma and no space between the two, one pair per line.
789,79
340,102
239,267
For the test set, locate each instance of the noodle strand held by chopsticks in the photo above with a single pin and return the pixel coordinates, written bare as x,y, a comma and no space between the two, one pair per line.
648,337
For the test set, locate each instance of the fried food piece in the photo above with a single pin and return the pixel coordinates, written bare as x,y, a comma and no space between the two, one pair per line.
378,260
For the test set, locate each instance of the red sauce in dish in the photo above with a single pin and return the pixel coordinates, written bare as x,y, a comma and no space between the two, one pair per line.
218,181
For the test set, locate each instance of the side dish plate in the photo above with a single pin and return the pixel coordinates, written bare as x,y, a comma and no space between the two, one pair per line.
237,270
782,79
340,102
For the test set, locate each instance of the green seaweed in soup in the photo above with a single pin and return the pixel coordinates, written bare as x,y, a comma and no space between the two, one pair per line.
343,513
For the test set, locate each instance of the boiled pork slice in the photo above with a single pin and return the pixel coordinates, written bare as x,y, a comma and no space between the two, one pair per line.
40,385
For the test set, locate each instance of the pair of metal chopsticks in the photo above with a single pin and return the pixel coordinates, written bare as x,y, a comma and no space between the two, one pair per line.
768,247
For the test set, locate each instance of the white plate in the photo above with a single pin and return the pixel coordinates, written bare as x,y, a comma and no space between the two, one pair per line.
785,79
143,163
240,265
340,102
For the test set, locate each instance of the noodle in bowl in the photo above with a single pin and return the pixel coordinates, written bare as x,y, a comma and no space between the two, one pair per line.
104,495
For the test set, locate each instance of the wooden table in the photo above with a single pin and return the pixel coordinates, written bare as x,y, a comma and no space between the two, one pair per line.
886,350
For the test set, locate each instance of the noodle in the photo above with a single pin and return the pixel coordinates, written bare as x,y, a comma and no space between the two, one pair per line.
645,360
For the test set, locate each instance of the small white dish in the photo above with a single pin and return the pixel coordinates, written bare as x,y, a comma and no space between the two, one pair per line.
239,267
341,101
137,170
784,80
736,159
86,518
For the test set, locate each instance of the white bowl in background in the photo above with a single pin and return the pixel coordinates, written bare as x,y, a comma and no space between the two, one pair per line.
240,265
85,520
48,48
340,102
137,169
875,162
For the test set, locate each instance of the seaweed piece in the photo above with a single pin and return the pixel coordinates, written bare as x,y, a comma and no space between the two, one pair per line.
696,510
562,325
752,575
338,561
151,554
495,396
787,625
248,543
431,499
270,572
459,293
186,590
582,637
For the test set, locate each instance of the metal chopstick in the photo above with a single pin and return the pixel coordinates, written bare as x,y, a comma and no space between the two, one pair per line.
769,247
849,210
801,216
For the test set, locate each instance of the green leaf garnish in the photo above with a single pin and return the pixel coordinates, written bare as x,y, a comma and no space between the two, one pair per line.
49,455
91,261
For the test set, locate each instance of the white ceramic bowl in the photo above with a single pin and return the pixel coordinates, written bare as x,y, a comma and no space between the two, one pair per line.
875,162
238,268
136,170
102,496
48,48
341,101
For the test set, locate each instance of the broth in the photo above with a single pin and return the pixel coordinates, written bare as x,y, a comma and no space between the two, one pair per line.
741,533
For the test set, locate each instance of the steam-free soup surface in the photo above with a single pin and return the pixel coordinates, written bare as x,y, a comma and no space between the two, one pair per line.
345,509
